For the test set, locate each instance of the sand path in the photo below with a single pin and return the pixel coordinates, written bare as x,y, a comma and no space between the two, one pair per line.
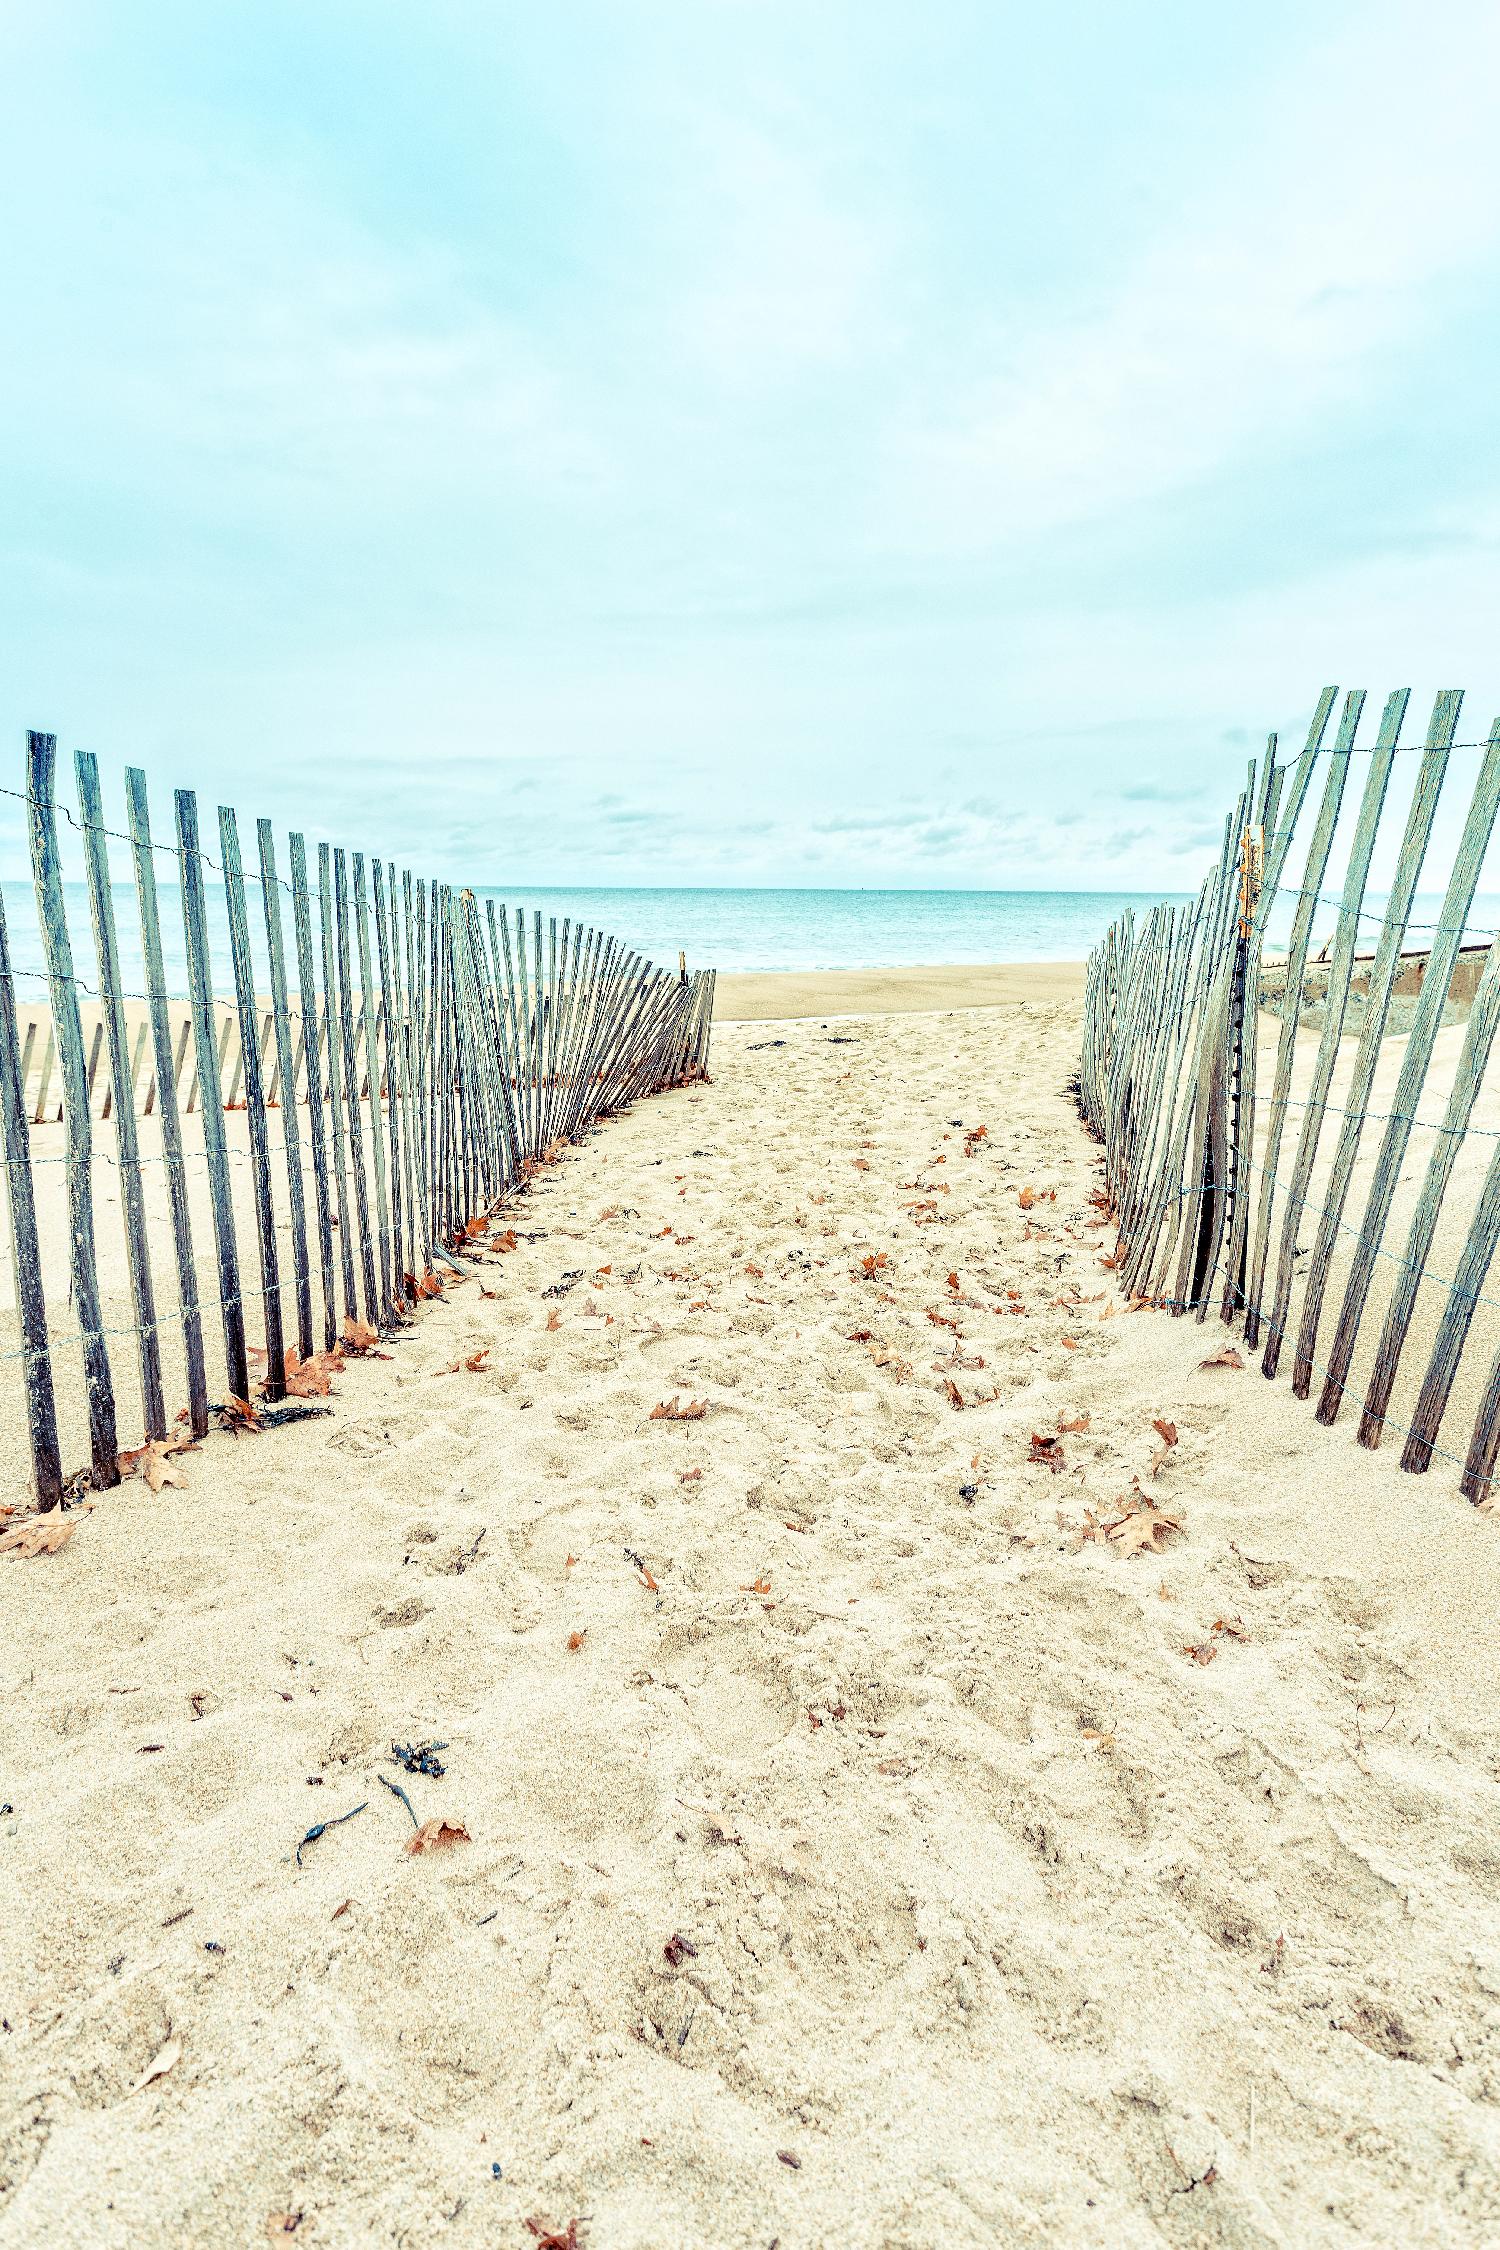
999,1917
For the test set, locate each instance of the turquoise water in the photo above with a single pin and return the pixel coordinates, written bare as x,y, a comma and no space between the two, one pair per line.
739,929
810,929
723,929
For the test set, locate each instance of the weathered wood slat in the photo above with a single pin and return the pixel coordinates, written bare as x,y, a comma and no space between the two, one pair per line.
46,869
1478,1035
1314,869
164,1091
286,1077
333,1016
1425,1020
255,1104
373,1010
317,1123
414,924
1478,1252
1341,963
206,1047
374,1304
391,1027
25,1249
1478,1480
127,1144
1367,1055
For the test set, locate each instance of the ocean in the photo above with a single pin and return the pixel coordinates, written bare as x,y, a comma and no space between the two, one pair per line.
722,929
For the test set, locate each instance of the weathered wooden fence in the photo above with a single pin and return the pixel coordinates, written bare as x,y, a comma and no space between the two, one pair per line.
1294,1080
391,1061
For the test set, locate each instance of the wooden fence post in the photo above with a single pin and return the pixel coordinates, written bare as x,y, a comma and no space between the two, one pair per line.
62,986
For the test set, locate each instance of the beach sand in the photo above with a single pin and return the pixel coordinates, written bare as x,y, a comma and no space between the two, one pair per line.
859,1853
747,997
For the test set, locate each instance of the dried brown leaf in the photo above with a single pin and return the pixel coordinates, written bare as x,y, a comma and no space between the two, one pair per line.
154,1460
37,1535
550,2237
1138,1532
671,1410
437,1836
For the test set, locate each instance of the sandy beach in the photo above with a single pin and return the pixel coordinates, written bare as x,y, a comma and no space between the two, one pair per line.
908,1802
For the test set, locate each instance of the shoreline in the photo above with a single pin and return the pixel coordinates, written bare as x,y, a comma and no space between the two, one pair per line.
789,995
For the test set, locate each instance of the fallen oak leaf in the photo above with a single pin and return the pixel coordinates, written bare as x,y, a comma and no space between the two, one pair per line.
1069,1424
1201,1652
1167,1431
154,1460
575,1640
554,1318
438,1836
1138,1532
359,1337
758,1586
669,1410
549,2237
311,1378
1228,1357
1046,1450
37,1535
477,1362
953,1394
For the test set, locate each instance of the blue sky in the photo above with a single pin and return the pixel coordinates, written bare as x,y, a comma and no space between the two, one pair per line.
734,441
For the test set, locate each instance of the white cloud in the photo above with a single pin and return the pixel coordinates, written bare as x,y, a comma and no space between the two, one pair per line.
1368,178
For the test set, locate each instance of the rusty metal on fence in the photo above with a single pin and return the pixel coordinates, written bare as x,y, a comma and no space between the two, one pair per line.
386,1072
1297,1089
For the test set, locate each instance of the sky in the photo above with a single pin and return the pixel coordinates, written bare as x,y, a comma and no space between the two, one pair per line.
737,442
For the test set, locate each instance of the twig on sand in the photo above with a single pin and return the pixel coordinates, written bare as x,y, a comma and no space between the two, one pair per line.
323,1827
396,1790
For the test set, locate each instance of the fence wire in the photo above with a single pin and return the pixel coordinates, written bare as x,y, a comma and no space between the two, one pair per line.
1258,1138
432,1053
